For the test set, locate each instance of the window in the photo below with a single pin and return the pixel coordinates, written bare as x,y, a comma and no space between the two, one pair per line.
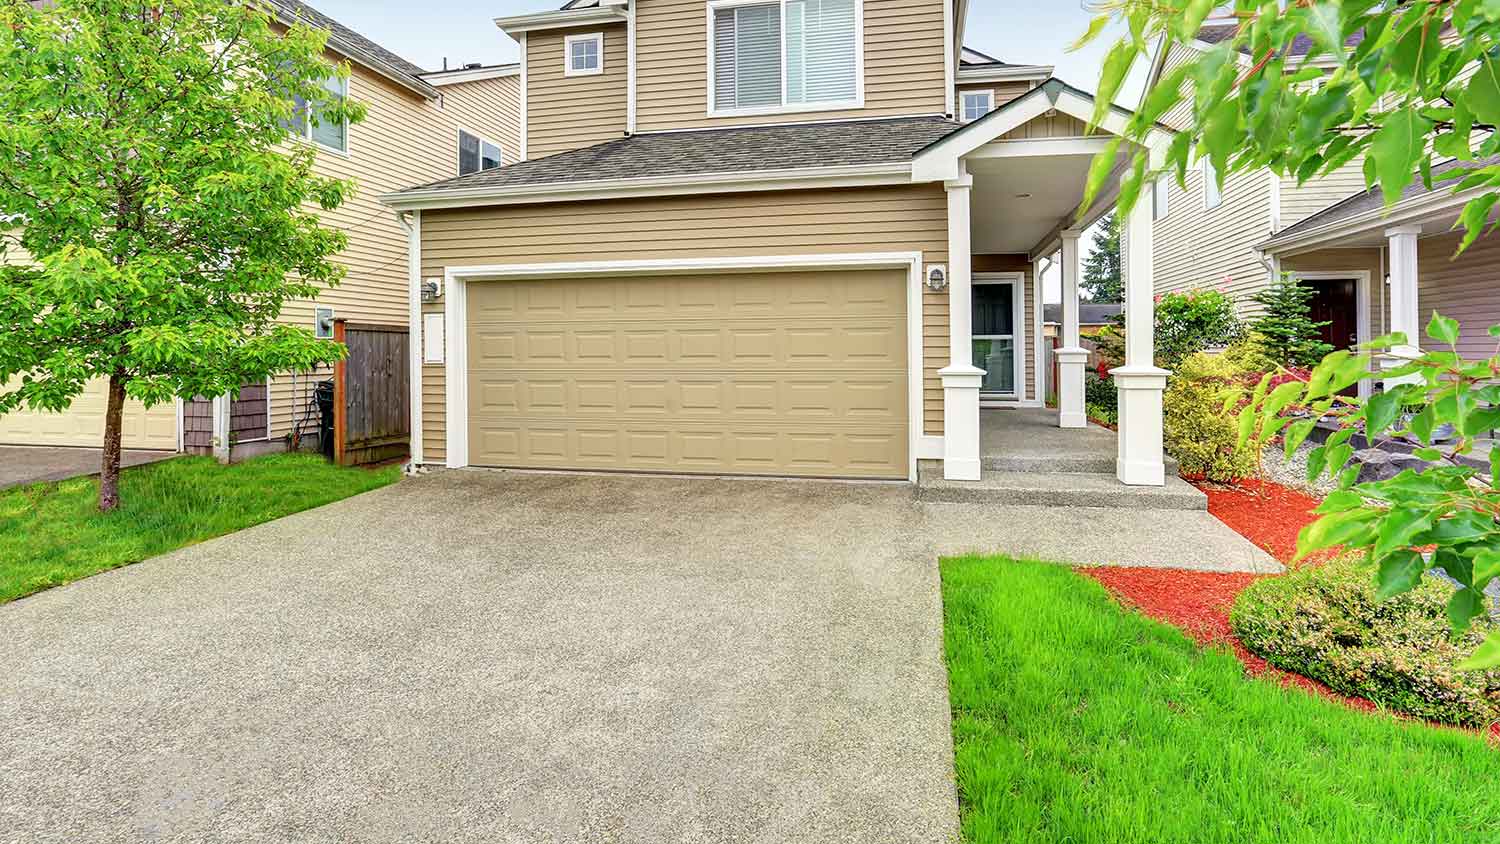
1213,193
977,104
583,55
1159,190
787,55
475,154
322,128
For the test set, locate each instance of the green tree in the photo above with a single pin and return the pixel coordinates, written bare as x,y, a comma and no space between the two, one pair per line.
1421,85
146,166
1101,269
1285,329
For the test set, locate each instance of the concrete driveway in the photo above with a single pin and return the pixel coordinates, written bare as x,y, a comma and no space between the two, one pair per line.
495,657
482,656
20,465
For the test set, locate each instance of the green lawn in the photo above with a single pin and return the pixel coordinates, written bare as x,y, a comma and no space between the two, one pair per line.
1076,721
51,534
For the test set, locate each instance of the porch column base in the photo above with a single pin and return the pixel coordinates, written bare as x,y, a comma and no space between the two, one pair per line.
1141,457
961,421
1070,363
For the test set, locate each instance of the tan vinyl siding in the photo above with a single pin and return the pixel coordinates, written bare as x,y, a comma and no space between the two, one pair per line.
405,140
491,107
1466,289
1197,247
1057,125
1000,93
1018,264
1298,202
904,74
906,218
570,112
1179,116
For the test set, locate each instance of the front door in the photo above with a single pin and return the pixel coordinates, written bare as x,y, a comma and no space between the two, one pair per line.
995,336
1335,301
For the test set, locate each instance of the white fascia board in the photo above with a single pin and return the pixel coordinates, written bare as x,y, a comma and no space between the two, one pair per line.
1380,218
1017,73
740,182
561,19
439,78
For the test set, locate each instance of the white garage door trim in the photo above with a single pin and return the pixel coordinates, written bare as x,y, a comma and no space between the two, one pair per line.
456,279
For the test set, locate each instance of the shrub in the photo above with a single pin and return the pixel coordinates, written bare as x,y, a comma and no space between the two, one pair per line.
1327,623
1107,415
1191,321
1099,391
1285,329
1197,431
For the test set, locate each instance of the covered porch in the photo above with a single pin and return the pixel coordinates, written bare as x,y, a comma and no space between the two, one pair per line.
1015,182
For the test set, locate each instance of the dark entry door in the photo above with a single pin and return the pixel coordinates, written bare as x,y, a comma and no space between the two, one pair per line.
1335,302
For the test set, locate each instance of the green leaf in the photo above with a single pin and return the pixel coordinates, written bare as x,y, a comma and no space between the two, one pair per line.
1399,528
1317,460
1483,92
1486,657
1297,433
1396,147
1397,573
1340,501
1322,24
1465,605
1351,527
1486,567
1381,411
1474,218
1443,329
1100,170
1246,426
1096,26
1431,455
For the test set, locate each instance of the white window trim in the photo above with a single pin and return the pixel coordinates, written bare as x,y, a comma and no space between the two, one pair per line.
1161,198
1204,166
458,133
305,136
785,108
988,92
569,41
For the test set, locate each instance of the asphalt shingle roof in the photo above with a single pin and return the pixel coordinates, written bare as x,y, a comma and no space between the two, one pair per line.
313,17
1301,45
1373,200
744,149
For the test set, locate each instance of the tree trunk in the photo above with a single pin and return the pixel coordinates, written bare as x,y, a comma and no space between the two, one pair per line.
109,471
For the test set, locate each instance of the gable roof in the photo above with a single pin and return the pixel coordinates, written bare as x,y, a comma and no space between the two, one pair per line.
345,40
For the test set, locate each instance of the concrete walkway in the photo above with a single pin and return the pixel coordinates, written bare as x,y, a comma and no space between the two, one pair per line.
20,465
477,656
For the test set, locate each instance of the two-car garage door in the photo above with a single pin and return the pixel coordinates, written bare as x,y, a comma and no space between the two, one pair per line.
82,424
762,373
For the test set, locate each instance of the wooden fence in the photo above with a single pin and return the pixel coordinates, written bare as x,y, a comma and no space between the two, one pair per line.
372,394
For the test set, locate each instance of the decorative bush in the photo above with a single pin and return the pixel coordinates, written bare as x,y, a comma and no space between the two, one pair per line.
1197,431
1327,623
1100,391
1191,321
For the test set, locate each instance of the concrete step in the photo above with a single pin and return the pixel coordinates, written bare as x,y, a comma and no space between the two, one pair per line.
1057,489
1074,464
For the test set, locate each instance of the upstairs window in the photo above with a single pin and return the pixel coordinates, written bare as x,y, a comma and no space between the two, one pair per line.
323,129
977,104
475,154
1213,193
583,54
787,55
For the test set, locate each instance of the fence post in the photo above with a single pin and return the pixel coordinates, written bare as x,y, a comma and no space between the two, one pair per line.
340,396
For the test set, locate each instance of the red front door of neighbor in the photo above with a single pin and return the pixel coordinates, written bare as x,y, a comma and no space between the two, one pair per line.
1335,302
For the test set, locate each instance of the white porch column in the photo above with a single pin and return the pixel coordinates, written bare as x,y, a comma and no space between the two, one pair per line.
961,379
1405,315
1140,381
1071,356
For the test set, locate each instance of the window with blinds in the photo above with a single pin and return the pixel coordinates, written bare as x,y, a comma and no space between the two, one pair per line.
818,40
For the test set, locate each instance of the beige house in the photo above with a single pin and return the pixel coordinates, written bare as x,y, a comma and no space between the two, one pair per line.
1373,270
420,126
784,237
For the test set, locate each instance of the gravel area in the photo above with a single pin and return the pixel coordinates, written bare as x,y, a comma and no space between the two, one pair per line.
1292,472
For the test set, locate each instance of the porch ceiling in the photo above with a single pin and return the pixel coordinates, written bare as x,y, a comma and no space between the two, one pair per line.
1019,201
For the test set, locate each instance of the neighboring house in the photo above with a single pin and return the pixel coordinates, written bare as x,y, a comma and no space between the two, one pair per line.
1092,317
1372,271
756,237
420,126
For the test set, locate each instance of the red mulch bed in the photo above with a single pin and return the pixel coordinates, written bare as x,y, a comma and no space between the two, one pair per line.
1269,515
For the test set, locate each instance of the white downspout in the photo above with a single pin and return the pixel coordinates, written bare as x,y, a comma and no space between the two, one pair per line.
412,222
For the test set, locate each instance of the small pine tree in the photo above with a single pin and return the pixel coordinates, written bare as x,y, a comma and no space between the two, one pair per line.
1285,329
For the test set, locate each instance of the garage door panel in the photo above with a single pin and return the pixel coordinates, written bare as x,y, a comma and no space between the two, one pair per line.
762,373
82,424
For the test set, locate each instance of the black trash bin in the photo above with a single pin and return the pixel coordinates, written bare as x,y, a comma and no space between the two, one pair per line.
323,394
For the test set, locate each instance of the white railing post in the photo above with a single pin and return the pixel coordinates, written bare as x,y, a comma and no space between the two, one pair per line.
1071,356
1140,382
